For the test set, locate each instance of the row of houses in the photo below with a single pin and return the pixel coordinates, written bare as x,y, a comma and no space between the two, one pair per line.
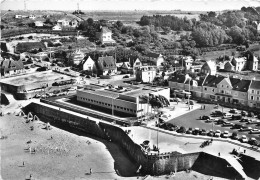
220,88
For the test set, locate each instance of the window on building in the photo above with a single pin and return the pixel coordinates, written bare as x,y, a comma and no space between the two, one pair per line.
258,98
121,107
213,90
253,91
205,89
222,91
222,85
252,97
258,92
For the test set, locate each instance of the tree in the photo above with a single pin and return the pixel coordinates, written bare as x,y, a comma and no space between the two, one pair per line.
90,21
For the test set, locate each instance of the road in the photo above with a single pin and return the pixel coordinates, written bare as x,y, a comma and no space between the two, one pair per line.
191,119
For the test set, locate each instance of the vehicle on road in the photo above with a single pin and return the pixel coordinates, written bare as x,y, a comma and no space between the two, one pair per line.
196,131
243,139
246,129
211,133
244,120
218,113
234,111
227,124
254,131
225,134
203,132
238,126
205,117
253,142
217,133
234,136
236,117
227,116
182,129
244,113
189,131
221,121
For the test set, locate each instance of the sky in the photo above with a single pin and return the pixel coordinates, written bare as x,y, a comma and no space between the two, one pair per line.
185,5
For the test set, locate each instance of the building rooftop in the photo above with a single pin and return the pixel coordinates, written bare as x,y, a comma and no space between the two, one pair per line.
114,92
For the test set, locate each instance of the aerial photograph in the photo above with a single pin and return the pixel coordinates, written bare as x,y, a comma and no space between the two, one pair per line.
130,89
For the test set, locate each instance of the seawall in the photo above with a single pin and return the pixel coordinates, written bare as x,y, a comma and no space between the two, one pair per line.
153,164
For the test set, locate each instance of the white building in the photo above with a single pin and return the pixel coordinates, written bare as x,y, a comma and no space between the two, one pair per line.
209,67
145,74
105,36
156,59
32,16
88,64
63,22
38,23
126,100
56,28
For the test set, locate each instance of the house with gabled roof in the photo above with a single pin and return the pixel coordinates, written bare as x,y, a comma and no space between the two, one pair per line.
210,86
10,67
89,65
254,94
239,63
155,59
228,66
106,65
209,67
240,90
105,36
252,63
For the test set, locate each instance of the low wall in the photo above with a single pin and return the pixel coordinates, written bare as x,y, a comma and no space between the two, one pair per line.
151,164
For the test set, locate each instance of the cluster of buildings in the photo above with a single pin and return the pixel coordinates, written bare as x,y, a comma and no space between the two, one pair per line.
220,89
239,64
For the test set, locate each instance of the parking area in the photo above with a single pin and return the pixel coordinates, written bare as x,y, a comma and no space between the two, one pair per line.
191,119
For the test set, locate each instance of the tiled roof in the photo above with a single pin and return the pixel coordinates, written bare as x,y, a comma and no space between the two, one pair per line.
105,30
212,81
107,62
240,84
177,78
255,85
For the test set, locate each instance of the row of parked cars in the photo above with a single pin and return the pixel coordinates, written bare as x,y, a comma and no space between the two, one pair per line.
221,118
210,133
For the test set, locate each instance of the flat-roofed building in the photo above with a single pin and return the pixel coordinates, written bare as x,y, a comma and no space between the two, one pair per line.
123,99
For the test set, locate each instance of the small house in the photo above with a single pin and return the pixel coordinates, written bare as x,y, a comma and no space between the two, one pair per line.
106,65
105,36
209,67
155,59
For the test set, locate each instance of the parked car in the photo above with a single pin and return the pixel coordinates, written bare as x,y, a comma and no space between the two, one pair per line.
243,139
210,133
252,141
227,116
203,132
234,136
254,131
244,120
227,124
189,131
238,126
245,129
221,121
225,134
234,111
218,113
236,117
205,117
244,113
196,131
217,133
176,100
181,130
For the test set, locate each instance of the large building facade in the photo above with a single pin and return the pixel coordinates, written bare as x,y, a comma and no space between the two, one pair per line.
221,89
127,100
